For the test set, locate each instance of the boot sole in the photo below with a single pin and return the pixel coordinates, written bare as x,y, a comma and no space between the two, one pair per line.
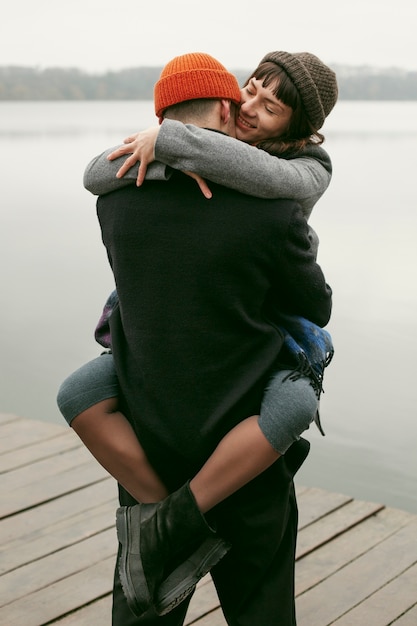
177,586
138,606
181,582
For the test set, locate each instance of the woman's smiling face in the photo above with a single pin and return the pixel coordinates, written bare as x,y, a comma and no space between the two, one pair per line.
261,115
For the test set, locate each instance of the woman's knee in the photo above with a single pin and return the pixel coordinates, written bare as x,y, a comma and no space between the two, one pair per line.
289,406
91,384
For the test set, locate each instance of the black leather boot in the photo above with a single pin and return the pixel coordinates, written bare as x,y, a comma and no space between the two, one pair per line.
166,548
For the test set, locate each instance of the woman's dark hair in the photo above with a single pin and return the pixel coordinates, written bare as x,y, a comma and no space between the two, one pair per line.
300,132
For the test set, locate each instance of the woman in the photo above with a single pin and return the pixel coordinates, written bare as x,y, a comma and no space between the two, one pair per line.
275,115
284,104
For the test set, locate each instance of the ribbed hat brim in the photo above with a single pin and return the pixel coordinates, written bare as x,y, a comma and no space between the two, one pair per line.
191,77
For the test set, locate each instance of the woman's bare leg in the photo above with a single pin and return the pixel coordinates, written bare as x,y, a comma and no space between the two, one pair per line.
112,441
241,455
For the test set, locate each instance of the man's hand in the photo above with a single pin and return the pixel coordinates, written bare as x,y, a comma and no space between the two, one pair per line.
141,147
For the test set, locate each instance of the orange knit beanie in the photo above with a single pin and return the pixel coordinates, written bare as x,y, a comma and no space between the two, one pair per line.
193,76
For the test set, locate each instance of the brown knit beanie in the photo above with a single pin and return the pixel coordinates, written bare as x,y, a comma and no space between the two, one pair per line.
316,82
193,76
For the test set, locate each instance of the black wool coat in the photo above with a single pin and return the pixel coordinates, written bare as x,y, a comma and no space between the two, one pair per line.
194,338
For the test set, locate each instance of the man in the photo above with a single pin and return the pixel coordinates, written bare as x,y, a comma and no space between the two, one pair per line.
194,341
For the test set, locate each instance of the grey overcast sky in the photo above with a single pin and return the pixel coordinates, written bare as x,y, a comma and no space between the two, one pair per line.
98,35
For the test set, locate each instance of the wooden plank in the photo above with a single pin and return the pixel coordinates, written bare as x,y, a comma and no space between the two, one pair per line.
67,440
407,619
58,565
62,597
27,523
317,566
59,536
335,523
386,604
215,618
20,433
203,602
45,468
359,579
51,487
316,503
377,531
95,614
300,489
356,561
6,418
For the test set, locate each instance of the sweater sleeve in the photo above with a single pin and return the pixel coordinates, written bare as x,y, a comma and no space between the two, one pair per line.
100,173
247,169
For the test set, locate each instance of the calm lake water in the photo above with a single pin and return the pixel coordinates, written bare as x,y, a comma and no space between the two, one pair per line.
55,278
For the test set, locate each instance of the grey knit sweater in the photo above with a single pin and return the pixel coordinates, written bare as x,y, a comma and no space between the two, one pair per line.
225,161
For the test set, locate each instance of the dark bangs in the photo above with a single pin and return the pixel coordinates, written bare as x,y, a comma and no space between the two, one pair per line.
283,89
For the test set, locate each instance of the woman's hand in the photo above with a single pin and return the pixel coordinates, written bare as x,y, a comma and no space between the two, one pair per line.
202,184
141,147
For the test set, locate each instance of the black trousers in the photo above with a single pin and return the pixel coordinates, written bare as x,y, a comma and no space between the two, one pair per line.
255,580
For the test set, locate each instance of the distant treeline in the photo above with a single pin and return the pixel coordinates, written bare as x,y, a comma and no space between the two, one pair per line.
28,83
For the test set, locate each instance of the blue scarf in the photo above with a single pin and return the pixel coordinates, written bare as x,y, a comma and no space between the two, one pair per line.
311,348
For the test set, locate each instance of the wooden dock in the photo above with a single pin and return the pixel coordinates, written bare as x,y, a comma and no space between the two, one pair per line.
356,561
